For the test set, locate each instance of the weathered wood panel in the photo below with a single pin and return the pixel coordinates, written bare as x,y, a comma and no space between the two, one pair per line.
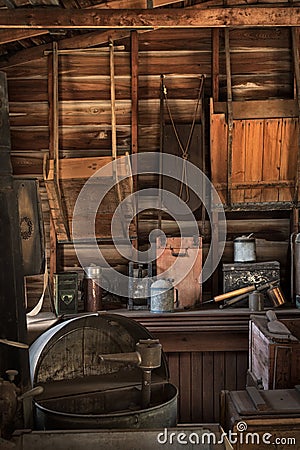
288,156
271,157
218,153
253,158
262,143
238,159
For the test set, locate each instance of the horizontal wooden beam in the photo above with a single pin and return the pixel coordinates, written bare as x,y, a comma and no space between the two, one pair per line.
260,109
83,168
133,4
151,18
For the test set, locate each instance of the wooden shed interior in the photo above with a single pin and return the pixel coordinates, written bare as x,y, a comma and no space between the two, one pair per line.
88,89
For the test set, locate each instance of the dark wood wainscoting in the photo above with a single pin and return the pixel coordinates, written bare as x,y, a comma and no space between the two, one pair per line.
207,352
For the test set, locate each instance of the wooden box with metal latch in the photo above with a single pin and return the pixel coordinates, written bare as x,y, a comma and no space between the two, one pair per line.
257,419
180,258
274,357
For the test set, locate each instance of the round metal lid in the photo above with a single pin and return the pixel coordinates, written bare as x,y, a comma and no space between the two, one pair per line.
66,357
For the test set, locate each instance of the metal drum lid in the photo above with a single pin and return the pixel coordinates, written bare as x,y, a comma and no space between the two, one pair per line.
65,357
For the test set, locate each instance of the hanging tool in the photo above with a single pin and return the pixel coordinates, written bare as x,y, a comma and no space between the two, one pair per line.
184,148
235,300
241,293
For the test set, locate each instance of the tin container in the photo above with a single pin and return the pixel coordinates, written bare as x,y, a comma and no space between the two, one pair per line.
256,301
91,288
162,296
244,249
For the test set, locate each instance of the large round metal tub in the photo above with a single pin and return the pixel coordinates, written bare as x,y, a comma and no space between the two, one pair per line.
81,392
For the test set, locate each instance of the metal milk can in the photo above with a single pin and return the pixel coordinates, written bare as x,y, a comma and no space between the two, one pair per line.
244,249
162,296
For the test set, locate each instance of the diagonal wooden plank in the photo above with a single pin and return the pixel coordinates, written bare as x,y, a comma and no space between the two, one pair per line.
150,18
16,35
82,41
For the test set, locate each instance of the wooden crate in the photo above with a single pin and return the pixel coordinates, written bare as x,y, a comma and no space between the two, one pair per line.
262,419
274,361
182,251
263,155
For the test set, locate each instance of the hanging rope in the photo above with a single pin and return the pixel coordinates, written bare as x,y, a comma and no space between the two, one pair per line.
184,149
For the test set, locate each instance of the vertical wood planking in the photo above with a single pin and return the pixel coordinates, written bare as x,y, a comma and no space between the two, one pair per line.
208,386
173,364
241,369
219,381
271,157
254,155
230,371
185,386
288,157
238,159
200,378
197,387
215,63
218,145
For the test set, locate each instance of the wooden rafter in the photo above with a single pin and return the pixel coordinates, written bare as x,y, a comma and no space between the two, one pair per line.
82,41
16,35
133,4
150,18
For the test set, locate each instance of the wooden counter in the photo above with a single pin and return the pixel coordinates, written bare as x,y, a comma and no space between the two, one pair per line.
207,351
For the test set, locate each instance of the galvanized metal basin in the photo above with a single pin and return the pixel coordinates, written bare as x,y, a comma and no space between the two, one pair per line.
81,392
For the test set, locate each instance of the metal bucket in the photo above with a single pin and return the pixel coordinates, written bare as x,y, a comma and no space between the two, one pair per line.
275,294
244,249
162,296
82,393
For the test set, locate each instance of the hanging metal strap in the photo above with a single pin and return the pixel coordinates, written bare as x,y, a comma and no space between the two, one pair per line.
184,149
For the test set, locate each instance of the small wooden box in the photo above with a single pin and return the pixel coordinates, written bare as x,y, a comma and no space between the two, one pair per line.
260,420
274,361
186,252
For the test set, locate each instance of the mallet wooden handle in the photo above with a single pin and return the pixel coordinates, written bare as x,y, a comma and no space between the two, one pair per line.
245,290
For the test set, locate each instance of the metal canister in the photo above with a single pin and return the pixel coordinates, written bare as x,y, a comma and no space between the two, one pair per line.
92,291
256,301
244,249
275,294
162,296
